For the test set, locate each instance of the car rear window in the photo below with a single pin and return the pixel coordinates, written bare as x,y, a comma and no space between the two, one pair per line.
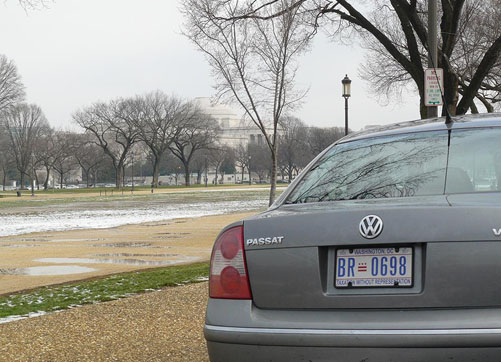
474,161
405,165
394,166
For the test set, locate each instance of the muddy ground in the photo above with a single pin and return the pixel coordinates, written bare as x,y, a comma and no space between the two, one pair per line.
107,251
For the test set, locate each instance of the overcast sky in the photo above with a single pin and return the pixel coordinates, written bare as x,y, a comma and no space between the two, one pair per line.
77,52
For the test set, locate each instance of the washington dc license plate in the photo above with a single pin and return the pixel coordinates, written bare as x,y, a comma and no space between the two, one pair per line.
374,267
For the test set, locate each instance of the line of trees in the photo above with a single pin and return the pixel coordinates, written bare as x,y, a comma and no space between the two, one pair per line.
172,138
155,122
157,132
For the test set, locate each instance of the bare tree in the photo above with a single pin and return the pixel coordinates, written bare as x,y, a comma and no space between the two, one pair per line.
253,60
220,157
7,161
11,88
259,161
293,146
44,153
242,159
396,34
469,30
64,160
228,165
113,127
87,154
24,124
200,163
198,131
33,4
320,138
158,124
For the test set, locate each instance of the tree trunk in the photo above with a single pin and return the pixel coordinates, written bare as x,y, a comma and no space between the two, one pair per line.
36,179
21,186
4,181
156,172
243,171
46,181
423,110
87,176
273,181
186,174
61,179
118,176
123,176
451,85
217,175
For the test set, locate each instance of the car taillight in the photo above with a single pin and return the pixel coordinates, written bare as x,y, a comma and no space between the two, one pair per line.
228,271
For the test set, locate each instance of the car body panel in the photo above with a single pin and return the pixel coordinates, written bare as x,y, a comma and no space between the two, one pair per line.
226,352
451,312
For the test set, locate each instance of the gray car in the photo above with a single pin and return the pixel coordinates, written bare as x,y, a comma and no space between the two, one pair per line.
387,247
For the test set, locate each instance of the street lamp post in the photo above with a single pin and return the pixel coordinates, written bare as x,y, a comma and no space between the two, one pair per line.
346,94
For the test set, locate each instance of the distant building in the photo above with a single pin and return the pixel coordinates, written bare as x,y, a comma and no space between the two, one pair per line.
234,129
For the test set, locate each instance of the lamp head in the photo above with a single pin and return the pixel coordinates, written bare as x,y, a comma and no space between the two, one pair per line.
346,86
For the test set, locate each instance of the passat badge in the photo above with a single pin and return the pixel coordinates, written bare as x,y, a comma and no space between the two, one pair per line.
270,240
371,226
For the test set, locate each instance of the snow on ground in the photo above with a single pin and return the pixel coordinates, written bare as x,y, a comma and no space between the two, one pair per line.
91,218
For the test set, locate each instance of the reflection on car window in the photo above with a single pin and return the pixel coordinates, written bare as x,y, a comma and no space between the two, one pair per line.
474,161
393,166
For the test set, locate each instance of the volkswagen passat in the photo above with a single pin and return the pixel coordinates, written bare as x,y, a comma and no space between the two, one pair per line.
386,248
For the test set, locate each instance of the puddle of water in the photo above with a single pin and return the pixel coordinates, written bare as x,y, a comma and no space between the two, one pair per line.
135,255
48,270
74,240
123,245
114,261
173,233
32,239
156,224
19,245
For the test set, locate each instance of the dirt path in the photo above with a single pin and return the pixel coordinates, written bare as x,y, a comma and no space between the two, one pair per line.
158,326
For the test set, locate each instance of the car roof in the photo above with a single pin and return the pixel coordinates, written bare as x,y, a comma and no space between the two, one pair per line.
430,124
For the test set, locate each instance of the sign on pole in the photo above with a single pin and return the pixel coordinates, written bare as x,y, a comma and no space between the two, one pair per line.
433,86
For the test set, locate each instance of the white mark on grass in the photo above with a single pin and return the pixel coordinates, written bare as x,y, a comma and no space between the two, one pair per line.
14,318
48,270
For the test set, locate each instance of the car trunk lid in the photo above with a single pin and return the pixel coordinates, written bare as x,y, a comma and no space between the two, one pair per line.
455,252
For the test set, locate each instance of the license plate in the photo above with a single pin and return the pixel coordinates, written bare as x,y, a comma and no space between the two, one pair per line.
374,267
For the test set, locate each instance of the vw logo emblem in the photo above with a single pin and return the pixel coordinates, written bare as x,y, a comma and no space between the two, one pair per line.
371,226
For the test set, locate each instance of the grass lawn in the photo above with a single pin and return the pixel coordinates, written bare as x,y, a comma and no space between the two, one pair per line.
52,298
128,189
103,195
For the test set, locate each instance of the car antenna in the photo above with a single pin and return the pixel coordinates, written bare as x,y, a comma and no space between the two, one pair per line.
448,118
